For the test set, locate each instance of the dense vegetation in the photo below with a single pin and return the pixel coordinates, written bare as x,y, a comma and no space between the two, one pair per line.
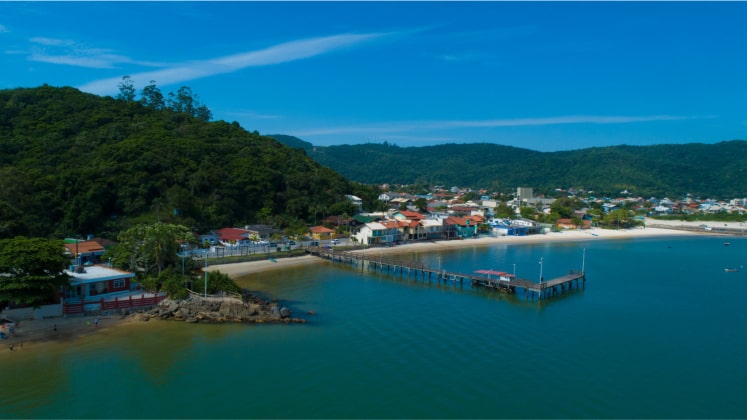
32,271
662,170
73,163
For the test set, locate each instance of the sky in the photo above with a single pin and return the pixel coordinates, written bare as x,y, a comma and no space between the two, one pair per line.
544,76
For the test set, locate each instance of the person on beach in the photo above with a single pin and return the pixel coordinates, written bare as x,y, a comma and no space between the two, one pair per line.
96,322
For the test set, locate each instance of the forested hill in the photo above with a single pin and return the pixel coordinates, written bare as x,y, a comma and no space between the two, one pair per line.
706,170
75,163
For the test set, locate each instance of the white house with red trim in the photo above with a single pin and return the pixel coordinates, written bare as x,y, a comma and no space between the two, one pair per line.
95,281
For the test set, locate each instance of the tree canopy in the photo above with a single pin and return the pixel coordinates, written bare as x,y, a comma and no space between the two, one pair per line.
705,170
149,249
75,163
32,270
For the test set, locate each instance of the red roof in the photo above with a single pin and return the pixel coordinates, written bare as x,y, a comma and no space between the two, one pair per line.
232,234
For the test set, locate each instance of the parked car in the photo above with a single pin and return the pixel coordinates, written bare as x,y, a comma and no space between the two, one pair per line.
334,241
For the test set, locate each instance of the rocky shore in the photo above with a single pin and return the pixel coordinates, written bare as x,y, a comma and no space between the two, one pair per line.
215,310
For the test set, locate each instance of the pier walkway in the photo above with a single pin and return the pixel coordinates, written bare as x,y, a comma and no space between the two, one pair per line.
543,289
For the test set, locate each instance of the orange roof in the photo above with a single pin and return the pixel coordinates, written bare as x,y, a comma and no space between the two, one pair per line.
85,247
320,229
412,215
391,224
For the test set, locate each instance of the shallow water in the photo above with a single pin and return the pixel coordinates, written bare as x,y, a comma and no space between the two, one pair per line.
658,332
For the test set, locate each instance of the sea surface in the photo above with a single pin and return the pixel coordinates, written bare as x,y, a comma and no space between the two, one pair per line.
658,331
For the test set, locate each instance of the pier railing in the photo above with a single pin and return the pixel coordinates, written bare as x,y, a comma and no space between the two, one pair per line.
394,265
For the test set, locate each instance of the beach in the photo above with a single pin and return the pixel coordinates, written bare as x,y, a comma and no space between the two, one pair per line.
36,334
245,268
30,333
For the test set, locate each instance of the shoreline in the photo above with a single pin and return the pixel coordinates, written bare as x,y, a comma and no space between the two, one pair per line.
41,332
252,267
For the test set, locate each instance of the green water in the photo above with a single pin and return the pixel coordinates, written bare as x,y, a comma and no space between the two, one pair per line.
658,332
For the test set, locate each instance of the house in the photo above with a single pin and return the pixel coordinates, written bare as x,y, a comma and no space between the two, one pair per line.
378,233
433,228
263,232
568,224
100,288
210,238
321,233
357,201
411,230
407,215
459,227
84,252
608,207
95,281
233,237
400,201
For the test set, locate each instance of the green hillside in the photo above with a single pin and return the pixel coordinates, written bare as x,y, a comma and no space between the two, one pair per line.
707,170
72,163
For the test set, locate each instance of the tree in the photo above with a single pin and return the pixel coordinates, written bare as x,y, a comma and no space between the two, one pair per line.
126,89
152,96
150,249
422,205
203,113
527,212
564,206
504,211
618,218
219,282
33,270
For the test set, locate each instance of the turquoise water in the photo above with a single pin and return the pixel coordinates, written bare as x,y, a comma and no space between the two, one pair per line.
659,331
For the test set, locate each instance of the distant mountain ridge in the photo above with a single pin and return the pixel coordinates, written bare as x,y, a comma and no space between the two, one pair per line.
705,170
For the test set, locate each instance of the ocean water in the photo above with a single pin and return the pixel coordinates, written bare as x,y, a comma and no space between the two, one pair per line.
659,331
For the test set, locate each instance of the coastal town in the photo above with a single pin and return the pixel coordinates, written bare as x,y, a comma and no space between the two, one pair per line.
98,289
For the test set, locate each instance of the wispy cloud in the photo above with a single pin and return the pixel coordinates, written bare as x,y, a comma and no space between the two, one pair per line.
3,29
53,42
413,126
468,57
72,53
282,53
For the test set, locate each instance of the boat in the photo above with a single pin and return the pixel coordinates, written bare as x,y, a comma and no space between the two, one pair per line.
733,269
727,243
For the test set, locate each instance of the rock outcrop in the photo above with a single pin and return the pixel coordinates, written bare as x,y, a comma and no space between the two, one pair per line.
250,309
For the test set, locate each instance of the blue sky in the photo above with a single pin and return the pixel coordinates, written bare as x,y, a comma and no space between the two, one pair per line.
543,76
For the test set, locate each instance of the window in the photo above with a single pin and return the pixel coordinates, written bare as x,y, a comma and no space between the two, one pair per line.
119,283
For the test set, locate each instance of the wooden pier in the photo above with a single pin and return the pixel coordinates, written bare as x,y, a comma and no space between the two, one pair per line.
413,269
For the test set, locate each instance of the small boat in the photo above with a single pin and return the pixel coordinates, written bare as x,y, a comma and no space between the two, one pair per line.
273,259
732,269
727,243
